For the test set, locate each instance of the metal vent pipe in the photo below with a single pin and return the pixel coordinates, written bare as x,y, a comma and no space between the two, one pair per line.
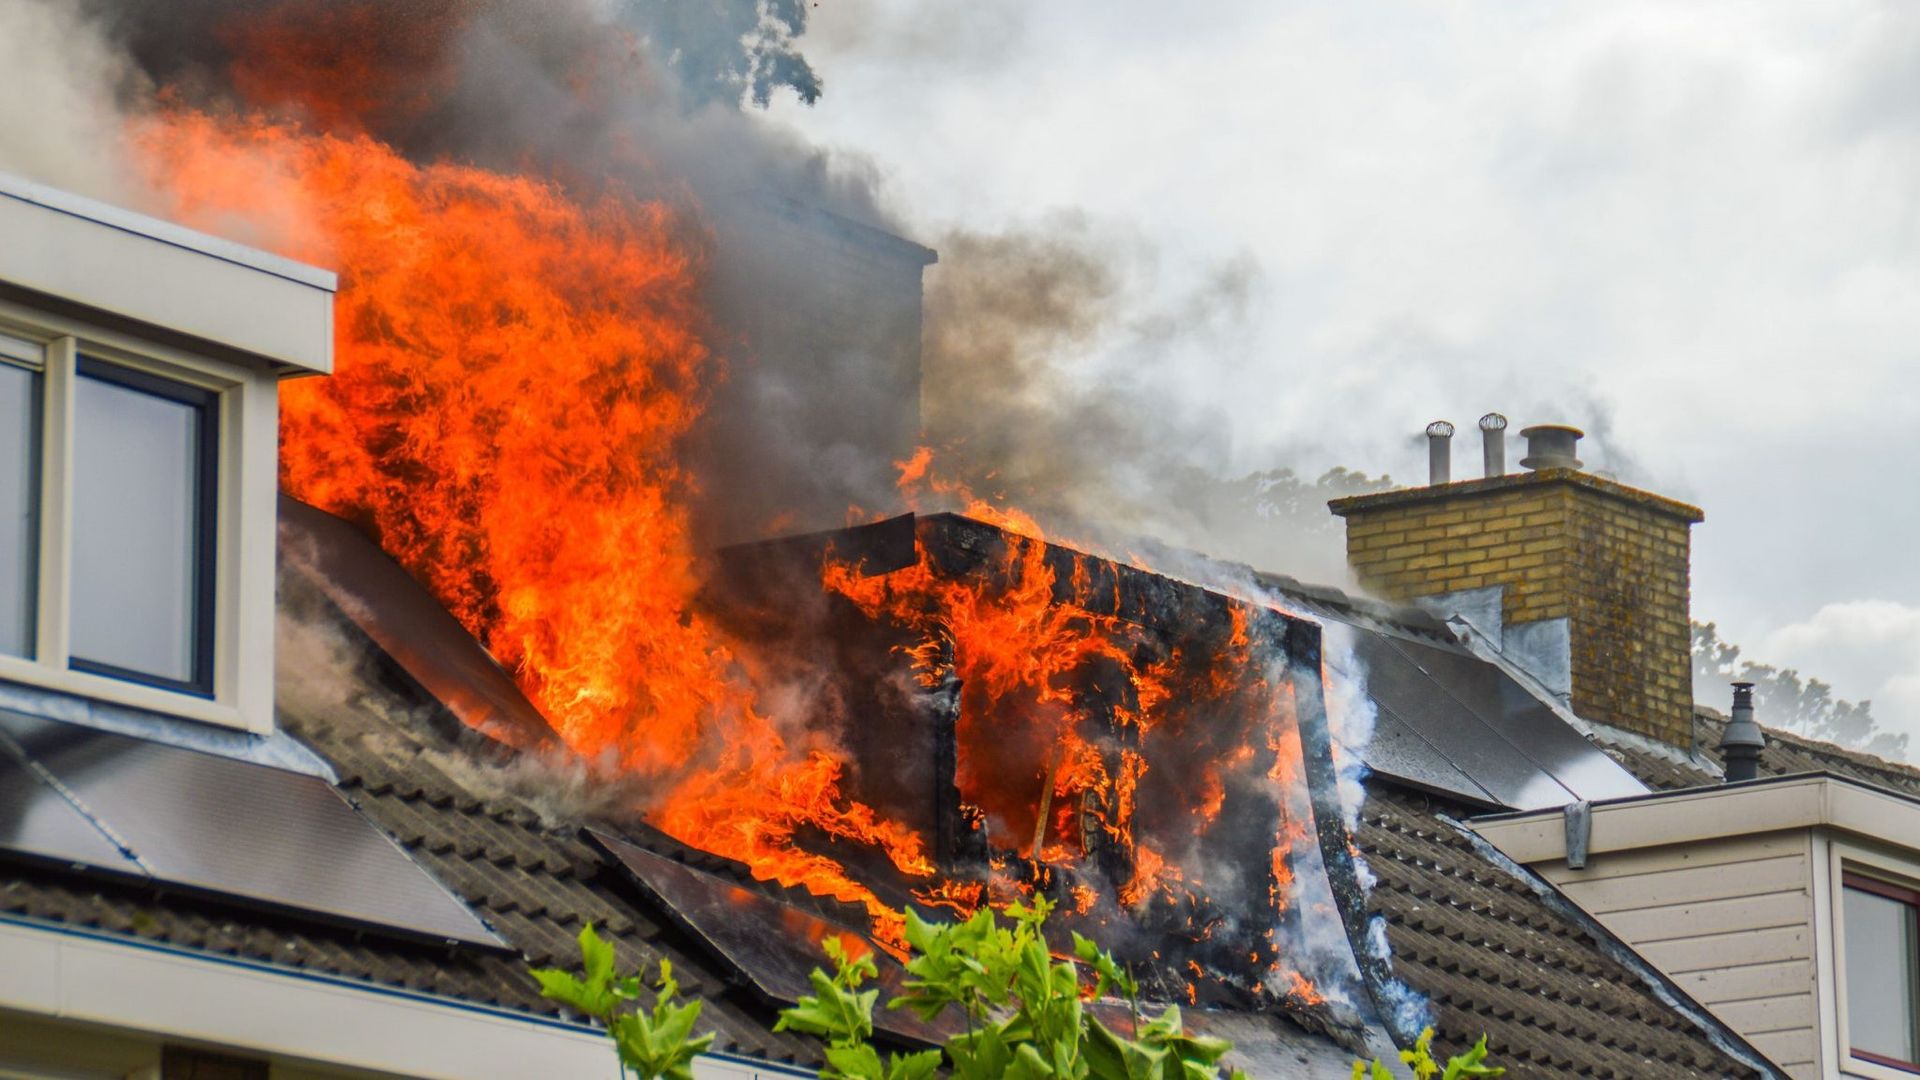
1741,743
1493,444
1439,452
1551,446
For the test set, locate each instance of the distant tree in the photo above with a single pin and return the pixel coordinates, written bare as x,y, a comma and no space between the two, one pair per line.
1783,699
729,51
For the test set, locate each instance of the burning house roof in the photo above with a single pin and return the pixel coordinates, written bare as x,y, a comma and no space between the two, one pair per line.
502,833
508,651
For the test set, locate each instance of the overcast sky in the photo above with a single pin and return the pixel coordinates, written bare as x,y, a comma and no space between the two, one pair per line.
1689,228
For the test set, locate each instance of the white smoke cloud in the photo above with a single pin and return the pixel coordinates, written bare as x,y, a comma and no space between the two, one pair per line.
59,118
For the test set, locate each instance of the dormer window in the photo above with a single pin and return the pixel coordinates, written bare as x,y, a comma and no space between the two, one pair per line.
139,374
1880,922
112,552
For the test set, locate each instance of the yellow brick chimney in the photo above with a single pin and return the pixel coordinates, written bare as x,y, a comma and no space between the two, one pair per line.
1587,574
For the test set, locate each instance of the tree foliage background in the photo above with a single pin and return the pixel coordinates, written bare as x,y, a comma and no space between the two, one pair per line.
1783,698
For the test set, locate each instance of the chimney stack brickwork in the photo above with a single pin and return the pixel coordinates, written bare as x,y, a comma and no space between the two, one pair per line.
1611,560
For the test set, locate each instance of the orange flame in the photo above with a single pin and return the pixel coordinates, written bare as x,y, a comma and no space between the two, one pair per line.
515,371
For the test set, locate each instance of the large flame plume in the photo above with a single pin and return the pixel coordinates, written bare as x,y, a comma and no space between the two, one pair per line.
516,371
520,363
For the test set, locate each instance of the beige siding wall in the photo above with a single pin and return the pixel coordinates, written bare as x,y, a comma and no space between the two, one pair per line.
1732,922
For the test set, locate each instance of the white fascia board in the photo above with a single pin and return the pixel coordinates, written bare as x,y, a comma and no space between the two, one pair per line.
70,974
1713,813
153,272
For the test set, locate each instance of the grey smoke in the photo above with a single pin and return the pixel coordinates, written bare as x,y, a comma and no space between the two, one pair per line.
1047,386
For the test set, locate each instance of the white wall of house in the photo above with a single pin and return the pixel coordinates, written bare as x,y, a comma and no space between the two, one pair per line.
79,1005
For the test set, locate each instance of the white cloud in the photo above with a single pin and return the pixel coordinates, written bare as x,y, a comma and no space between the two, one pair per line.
1865,649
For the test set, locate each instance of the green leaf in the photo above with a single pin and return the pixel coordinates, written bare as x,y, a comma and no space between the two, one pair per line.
856,1062
921,1066
596,958
1472,1063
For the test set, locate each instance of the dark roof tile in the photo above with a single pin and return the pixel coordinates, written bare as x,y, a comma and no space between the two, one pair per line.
1494,959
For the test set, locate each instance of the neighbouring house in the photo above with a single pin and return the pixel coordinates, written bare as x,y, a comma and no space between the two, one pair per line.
268,810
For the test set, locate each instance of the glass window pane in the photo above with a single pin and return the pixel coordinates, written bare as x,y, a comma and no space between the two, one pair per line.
19,468
141,600
1880,964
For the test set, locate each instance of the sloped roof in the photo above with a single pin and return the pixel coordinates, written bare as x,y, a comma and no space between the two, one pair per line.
1786,753
1494,958
1491,954
534,883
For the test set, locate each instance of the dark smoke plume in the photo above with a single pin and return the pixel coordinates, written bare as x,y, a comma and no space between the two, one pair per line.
1102,455
824,390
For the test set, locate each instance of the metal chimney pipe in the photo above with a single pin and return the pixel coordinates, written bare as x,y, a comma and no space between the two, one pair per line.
1550,446
1439,452
1493,444
1741,743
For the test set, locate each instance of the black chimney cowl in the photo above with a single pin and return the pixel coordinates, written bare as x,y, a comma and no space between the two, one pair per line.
1741,743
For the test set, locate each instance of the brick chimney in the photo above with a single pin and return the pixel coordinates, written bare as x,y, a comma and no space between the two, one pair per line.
1581,579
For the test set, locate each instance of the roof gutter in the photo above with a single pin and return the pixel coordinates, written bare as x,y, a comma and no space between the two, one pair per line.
66,972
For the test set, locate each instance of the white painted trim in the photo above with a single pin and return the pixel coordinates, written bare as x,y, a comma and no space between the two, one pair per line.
134,267
247,413
1826,990
1880,863
1714,813
55,508
168,993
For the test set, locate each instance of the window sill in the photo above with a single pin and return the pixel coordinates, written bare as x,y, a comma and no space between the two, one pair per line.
132,695
1867,1069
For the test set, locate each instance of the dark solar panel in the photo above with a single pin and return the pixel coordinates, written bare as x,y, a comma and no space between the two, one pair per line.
35,819
244,830
1448,717
404,619
771,944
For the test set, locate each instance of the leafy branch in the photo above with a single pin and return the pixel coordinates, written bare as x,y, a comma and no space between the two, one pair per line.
1025,1011
657,1043
1420,1059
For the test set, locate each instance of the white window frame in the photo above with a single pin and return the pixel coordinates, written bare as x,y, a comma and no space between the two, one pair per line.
1842,857
247,411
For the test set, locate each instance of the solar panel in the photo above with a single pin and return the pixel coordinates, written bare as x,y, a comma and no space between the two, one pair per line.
773,945
1454,722
35,819
402,617
248,831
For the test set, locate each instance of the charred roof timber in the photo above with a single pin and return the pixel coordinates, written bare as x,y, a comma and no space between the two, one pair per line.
1743,740
1439,452
1550,446
1493,444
